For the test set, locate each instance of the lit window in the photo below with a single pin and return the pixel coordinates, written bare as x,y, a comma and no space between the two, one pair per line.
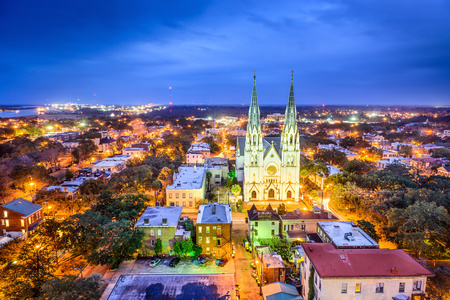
184,195
22,222
207,229
344,288
5,213
401,287
379,288
208,251
170,195
159,232
3,222
152,232
190,195
207,239
29,220
7,223
358,288
199,229
199,239
177,195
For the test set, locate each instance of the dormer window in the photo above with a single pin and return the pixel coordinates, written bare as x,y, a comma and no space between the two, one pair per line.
5,214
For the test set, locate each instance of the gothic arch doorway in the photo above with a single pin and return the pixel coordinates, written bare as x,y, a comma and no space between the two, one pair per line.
254,195
289,195
271,194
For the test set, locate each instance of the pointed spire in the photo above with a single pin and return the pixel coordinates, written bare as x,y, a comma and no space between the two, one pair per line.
290,116
253,112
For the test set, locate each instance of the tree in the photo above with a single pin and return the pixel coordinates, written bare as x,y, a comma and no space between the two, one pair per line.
311,292
69,174
236,190
373,154
281,209
92,187
208,178
441,153
156,186
304,174
158,246
438,286
86,148
333,157
120,242
406,151
368,228
358,167
177,248
72,288
197,250
187,246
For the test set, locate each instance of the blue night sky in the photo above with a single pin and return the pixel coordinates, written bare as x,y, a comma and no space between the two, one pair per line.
372,52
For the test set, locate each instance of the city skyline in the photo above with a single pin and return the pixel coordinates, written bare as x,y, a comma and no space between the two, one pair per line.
352,53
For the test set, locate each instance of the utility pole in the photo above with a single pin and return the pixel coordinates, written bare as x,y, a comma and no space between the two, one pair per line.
262,276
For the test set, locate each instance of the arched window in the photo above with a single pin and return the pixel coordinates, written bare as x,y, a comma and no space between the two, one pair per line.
271,194
289,195
254,195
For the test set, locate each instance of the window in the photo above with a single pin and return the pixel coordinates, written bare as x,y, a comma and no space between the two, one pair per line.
159,232
273,231
3,222
190,203
153,242
256,224
292,226
219,242
146,221
344,288
273,223
417,286
208,251
256,232
303,227
214,238
214,227
285,227
358,288
207,229
289,194
199,239
401,287
152,232
7,223
170,195
190,195
29,220
22,222
199,229
320,284
379,288
271,193
5,213
254,194
315,278
184,195
177,195
207,239
219,230
184,203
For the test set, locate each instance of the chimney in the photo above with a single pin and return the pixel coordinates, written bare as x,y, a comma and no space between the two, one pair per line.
394,270
336,230
164,221
330,215
298,210
213,209
322,207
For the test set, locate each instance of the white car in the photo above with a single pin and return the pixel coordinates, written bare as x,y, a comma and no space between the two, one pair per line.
154,262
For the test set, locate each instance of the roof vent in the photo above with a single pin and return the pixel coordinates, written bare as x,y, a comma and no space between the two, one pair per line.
394,270
310,248
342,256
146,221
214,209
164,221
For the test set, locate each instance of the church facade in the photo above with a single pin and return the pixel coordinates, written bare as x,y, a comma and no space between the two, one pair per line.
269,167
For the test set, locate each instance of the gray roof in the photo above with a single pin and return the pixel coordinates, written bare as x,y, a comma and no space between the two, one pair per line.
22,206
280,291
155,214
214,213
267,144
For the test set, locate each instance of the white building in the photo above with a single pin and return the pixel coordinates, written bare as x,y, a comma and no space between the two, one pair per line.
270,167
218,167
197,153
389,154
112,164
369,274
344,235
134,152
188,188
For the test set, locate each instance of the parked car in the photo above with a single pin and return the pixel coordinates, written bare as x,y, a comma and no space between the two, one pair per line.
223,262
174,262
154,262
202,260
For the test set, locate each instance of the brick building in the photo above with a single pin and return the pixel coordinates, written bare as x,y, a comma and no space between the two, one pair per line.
19,217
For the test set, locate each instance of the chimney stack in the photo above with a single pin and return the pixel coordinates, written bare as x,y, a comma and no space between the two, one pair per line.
330,215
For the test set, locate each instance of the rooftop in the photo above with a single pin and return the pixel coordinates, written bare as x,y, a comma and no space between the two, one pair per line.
308,215
22,206
214,213
154,215
280,291
268,214
188,177
331,262
345,234
199,147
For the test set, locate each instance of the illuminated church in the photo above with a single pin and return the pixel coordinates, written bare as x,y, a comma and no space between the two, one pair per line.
269,167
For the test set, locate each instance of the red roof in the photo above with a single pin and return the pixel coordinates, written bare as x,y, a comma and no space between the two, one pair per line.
331,262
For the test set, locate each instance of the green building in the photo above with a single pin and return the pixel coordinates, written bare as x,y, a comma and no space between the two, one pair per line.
263,224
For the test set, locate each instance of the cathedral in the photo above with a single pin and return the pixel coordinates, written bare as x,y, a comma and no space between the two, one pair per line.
270,167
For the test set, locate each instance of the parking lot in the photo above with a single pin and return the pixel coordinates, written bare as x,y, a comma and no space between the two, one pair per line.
186,266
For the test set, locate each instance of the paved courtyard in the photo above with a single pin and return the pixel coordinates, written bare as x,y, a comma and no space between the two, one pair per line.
177,287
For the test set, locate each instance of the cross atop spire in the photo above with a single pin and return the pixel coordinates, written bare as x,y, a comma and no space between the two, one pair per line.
290,116
253,112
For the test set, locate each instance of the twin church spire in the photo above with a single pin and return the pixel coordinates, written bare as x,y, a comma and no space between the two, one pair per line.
289,136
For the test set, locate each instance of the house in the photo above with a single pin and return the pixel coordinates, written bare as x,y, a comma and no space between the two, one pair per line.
344,235
270,265
370,274
444,171
387,154
295,225
214,224
134,152
20,217
197,153
188,188
106,145
280,291
218,167
160,222
263,224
